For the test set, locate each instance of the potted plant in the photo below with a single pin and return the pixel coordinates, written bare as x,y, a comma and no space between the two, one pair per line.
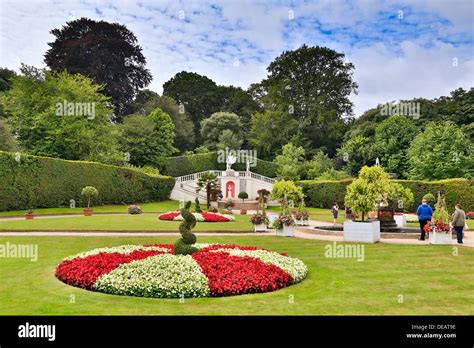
243,211
89,192
29,214
243,196
302,215
284,191
134,209
438,228
229,204
259,221
285,225
371,187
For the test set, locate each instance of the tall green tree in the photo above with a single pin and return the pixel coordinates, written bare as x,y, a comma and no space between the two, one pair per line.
290,162
356,153
147,101
212,128
392,139
198,94
313,84
270,130
7,140
148,140
61,115
106,52
441,151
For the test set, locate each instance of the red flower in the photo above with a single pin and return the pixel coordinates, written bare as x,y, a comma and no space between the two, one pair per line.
213,217
83,272
169,216
235,275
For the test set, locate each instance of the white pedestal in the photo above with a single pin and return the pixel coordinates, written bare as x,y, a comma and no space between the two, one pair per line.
440,238
302,222
286,231
356,231
401,220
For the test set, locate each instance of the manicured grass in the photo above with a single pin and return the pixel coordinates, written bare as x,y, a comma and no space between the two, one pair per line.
153,207
142,222
319,214
429,279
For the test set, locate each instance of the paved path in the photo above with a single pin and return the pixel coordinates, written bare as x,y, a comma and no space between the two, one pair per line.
301,232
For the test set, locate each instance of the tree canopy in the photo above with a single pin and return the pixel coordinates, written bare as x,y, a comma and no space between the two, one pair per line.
106,52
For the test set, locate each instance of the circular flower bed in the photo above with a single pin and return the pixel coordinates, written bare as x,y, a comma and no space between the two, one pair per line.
201,217
154,271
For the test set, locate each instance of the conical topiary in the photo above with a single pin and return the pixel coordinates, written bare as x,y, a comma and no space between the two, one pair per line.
183,246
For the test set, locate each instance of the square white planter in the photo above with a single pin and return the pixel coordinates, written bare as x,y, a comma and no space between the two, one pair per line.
368,232
440,238
401,220
286,231
302,222
260,228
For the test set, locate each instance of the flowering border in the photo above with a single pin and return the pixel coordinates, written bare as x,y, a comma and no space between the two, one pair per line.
154,271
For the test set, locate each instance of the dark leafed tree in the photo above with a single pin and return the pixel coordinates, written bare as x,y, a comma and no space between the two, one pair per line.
197,94
313,85
107,52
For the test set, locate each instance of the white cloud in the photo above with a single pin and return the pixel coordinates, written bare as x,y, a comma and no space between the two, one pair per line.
402,63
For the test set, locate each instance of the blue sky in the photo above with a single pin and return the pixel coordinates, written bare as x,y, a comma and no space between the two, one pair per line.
401,49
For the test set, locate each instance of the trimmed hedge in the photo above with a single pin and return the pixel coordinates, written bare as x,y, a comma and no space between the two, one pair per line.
322,194
184,165
43,182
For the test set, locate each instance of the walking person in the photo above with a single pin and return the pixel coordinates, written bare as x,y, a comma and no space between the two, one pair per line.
425,213
348,213
458,221
334,211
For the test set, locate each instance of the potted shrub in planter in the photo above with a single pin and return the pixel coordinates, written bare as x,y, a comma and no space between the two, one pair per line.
285,226
243,196
372,185
438,228
134,209
259,221
284,191
243,211
302,215
229,204
29,214
89,192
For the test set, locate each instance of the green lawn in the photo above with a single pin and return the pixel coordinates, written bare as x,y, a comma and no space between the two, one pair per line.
154,207
142,222
429,278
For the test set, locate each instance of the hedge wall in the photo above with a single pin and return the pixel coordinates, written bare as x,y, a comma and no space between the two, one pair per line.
184,165
322,194
43,182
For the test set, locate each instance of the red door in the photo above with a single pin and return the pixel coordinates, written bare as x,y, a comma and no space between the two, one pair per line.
230,189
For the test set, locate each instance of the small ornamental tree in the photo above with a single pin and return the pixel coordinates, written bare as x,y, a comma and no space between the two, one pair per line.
207,181
373,185
402,197
243,196
284,191
197,206
89,192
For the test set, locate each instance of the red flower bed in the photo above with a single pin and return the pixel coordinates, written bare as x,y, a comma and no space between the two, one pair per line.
83,272
212,217
234,275
233,246
169,216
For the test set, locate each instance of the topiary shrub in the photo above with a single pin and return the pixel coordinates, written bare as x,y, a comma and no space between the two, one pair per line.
243,196
183,246
197,207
